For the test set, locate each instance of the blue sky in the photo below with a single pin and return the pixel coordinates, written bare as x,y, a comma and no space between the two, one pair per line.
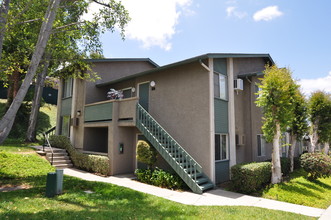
296,33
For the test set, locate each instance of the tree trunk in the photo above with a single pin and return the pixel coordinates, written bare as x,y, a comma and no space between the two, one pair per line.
291,151
38,91
276,175
326,148
3,21
14,85
7,121
313,138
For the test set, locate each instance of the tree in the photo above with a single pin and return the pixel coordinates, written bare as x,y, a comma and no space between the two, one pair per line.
299,124
320,118
276,98
4,7
70,30
7,121
319,114
71,38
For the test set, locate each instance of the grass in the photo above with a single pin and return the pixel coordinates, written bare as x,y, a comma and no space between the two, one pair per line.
107,202
46,120
301,191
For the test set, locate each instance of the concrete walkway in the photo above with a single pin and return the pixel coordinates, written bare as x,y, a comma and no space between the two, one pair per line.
216,197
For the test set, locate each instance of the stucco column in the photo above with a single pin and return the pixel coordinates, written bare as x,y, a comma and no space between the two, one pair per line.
58,108
113,140
211,119
73,111
231,109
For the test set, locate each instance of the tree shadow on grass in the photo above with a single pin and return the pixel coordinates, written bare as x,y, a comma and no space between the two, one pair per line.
299,190
107,202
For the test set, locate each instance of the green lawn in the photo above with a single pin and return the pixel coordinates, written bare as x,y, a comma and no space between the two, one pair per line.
301,191
107,202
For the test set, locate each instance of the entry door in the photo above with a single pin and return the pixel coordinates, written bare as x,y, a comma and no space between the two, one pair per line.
144,95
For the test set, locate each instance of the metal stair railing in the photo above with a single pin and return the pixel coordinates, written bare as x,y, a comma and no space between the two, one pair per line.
46,141
183,163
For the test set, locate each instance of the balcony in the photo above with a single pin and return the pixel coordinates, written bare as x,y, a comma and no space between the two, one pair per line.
122,111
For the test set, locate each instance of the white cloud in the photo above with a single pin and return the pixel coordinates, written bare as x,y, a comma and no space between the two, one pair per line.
153,22
267,14
310,85
232,11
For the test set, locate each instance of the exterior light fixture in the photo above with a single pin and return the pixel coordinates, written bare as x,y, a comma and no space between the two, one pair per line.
79,113
133,89
152,84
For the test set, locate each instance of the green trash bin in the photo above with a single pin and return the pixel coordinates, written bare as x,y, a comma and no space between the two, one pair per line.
51,185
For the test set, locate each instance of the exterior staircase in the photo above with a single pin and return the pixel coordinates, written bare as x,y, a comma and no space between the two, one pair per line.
60,158
183,163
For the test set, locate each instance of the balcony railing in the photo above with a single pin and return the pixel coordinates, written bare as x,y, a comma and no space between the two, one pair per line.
110,110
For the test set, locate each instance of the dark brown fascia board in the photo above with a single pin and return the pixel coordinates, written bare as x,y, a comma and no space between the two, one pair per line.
190,60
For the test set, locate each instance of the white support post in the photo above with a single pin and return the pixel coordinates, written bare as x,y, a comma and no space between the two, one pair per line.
212,119
231,109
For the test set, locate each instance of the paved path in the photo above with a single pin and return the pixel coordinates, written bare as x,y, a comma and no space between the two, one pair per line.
215,197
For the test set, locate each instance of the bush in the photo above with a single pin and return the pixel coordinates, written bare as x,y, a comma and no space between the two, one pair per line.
159,178
92,163
297,164
146,153
285,165
251,177
317,165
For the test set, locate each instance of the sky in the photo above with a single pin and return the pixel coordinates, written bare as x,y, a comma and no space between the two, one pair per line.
296,33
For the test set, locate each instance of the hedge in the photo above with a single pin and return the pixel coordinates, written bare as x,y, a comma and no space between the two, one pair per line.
251,177
317,165
92,163
159,177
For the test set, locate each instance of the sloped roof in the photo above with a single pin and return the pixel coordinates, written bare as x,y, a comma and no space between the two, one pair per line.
191,60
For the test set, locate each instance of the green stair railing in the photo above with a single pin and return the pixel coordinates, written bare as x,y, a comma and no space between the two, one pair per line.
182,162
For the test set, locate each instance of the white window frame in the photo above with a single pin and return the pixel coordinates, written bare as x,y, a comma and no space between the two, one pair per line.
129,88
225,87
226,147
262,141
67,88
68,125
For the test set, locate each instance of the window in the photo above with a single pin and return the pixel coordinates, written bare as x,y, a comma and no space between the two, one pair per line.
127,93
220,86
221,146
260,145
65,125
67,88
257,89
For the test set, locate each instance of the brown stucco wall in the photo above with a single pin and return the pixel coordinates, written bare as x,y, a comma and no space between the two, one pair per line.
109,71
180,104
247,115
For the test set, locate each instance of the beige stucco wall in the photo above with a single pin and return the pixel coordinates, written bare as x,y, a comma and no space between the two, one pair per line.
247,115
180,104
109,71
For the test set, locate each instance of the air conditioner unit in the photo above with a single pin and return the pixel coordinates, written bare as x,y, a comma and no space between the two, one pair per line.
238,84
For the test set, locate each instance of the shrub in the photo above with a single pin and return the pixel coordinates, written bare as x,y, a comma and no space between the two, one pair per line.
92,163
159,177
285,165
317,165
146,153
297,164
251,177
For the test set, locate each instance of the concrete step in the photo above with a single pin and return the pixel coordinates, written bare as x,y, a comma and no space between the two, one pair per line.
56,154
63,165
55,150
55,162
